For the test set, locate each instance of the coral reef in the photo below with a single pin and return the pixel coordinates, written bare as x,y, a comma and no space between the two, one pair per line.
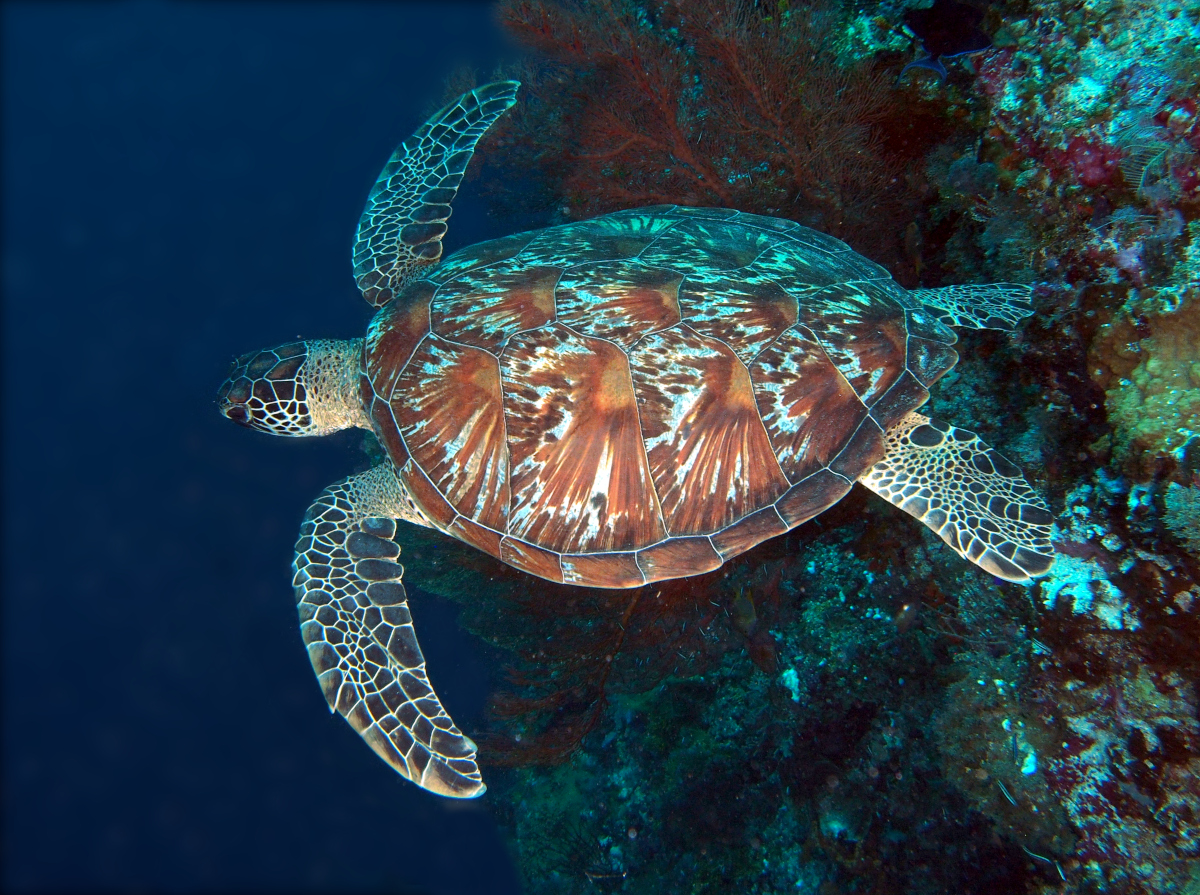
1147,360
850,708
822,773
1125,772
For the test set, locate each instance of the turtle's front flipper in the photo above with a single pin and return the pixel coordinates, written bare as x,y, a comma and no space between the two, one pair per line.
991,306
355,622
975,499
401,228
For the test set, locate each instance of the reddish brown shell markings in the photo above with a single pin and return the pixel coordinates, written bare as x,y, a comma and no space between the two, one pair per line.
618,300
580,480
862,330
685,382
643,395
807,406
452,420
745,312
485,307
392,336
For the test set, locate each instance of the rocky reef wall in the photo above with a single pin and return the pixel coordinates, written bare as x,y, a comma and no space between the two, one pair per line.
852,708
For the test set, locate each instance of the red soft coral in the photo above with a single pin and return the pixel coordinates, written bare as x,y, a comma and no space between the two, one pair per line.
711,102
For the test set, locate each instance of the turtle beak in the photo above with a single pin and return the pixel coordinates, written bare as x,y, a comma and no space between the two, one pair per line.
234,393
235,412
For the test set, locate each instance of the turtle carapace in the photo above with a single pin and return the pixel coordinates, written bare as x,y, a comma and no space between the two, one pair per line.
608,403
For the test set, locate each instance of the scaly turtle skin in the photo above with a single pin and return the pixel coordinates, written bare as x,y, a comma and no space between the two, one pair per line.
641,396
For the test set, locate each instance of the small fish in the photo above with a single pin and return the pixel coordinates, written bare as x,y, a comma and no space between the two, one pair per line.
948,29
743,615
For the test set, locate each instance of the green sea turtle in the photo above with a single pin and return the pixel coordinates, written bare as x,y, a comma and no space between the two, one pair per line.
613,402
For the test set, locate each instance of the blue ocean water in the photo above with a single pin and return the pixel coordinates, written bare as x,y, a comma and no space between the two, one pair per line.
181,184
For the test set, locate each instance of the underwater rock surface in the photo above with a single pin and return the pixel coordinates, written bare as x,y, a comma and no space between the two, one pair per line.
1148,363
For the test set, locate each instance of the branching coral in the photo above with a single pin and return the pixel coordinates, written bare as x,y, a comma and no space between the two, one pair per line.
714,102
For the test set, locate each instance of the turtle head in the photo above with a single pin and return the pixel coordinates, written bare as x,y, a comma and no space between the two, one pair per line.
301,388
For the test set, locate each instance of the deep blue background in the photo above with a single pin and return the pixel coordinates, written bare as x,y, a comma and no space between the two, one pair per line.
181,184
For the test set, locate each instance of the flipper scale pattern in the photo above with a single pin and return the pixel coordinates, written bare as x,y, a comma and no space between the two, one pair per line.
978,306
356,625
401,228
974,499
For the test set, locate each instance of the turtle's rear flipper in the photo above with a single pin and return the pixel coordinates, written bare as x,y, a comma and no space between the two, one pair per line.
977,501
355,622
401,228
990,306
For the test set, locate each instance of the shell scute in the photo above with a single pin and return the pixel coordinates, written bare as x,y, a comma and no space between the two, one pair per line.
483,308
892,406
749,532
600,239
798,271
603,569
779,225
648,210
618,300
384,424
705,213
478,536
863,332
812,495
815,239
531,558
481,254
394,333
863,450
929,361
745,312
808,408
431,501
709,454
923,324
449,409
677,558
580,481
708,245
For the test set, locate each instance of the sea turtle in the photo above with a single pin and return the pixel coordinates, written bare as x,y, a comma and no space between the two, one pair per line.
635,397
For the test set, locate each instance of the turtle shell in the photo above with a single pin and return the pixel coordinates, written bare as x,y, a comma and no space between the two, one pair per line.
646,394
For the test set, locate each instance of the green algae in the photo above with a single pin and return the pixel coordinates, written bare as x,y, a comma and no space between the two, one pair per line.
1148,361
1183,515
